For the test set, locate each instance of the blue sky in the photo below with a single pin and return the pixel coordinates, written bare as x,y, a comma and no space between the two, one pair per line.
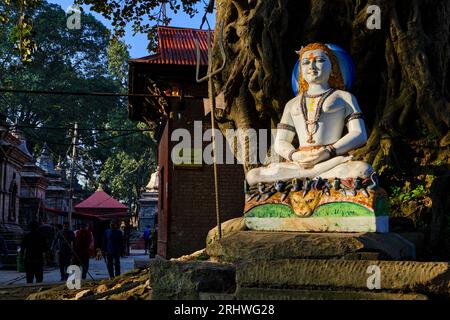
138,43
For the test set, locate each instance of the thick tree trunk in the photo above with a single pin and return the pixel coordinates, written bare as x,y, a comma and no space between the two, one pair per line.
402,74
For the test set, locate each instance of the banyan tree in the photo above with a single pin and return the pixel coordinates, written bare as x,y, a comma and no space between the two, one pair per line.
402,85
401,51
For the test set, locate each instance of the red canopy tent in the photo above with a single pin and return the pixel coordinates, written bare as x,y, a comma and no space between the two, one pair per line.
101,206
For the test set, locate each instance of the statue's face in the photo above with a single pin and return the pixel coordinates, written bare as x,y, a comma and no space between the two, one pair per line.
315,66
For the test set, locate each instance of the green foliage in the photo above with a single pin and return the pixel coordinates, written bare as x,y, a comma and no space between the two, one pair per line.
144,15
406,193
125,175
79,61
118,57
21,34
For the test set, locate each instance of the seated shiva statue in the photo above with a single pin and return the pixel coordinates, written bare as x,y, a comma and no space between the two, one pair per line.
318,187
317,115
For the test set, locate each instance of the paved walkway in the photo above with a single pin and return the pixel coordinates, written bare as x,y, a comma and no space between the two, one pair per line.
97,269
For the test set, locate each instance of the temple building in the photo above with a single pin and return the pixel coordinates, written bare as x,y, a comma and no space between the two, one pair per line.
33,187
57,191
186,201
13,157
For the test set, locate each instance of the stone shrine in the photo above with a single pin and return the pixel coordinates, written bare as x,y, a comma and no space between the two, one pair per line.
148,204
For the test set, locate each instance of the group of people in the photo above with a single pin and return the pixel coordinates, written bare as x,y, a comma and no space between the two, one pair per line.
70,247
73,248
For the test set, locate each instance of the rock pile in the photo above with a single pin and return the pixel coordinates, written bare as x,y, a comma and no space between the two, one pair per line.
133,285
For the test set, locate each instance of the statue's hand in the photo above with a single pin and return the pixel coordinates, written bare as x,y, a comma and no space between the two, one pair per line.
313,158
299,156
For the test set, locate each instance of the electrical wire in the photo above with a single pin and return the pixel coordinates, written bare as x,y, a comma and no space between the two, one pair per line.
80,93
97,94
84,142
81,129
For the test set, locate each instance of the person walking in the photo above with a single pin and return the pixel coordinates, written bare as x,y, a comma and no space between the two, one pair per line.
113,248
32,252
147,239
126,239
153,242
63,247
83,240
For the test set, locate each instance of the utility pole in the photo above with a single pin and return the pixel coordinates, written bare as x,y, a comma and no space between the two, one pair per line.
72,171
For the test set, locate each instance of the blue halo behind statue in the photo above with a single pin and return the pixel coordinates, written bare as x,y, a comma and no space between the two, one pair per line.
345,64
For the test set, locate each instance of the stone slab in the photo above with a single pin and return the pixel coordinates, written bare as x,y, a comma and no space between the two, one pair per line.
186,280
311,294
228,227
250,245
320,224
216,296
428,278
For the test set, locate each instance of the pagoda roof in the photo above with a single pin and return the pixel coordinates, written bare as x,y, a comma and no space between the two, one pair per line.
176,46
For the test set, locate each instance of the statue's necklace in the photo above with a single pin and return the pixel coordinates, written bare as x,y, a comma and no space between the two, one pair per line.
313,124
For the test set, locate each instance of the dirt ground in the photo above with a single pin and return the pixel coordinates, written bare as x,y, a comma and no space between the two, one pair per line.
132,285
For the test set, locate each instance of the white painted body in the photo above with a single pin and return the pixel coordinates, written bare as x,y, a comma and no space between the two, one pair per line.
331,123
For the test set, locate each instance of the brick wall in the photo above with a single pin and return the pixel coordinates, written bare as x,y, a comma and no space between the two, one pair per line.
193,210
189,204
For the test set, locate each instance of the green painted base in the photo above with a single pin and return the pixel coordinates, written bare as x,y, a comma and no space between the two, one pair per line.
320,224
334,209
329,217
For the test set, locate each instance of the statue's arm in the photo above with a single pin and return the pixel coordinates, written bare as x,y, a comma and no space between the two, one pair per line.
285,135
357,135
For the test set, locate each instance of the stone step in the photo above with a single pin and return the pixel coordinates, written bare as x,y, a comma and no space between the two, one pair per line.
395,276
190,280
306,279
250,245
312,294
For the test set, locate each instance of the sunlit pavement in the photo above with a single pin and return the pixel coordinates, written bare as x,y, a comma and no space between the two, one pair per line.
97,269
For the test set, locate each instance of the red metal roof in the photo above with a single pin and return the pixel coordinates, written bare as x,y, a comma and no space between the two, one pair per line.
100,200
176,46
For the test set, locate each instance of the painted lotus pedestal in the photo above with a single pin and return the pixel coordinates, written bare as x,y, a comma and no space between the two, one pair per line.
322,209
318,187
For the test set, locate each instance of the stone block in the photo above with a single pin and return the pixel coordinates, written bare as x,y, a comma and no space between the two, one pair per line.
216,296
311,294
186,280
228,227
250,245
429,278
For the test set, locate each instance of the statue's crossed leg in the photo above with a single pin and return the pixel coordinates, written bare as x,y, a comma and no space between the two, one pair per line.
337,167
